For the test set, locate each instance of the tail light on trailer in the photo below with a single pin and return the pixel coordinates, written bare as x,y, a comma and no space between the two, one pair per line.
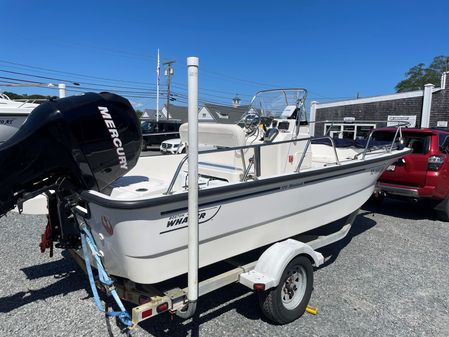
259,287
162,307
434,163
147,313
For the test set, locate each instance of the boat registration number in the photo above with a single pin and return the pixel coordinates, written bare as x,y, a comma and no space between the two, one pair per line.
391,168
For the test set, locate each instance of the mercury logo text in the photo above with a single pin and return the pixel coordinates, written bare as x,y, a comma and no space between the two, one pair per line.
115,137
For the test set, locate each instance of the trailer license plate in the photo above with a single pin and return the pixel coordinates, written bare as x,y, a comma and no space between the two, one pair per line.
391,168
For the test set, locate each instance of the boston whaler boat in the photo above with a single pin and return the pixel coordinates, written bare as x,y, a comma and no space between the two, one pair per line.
264,183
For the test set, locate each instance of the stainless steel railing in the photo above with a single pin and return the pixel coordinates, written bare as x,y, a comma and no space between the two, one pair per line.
255,160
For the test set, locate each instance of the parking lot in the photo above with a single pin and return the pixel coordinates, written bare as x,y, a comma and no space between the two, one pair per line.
387,278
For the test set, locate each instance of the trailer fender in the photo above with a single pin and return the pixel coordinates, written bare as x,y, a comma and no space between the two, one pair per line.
274,260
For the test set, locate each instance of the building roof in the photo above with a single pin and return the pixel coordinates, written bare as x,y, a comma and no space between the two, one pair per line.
178,112
227,114
149,113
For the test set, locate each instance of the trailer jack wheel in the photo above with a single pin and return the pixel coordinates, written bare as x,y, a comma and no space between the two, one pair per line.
288,301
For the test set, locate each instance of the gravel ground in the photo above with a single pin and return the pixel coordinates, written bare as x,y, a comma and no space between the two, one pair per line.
389,277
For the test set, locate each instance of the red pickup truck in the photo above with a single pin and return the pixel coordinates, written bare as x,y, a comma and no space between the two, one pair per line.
422,174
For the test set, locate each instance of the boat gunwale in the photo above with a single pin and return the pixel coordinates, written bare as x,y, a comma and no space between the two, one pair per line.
253,187
13,114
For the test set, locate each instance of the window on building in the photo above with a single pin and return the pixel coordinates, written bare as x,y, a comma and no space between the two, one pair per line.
443,140
362,131
348,131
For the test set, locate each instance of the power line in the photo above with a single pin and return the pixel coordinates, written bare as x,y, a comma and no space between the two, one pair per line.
71,81
20,80
184,87
128,95
232,78
82,88
180,98
74,74
174,84
207,94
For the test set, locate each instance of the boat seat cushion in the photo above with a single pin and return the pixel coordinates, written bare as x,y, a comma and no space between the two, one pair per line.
222,135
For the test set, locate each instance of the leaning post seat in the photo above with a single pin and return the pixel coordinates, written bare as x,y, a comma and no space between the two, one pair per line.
228,165
220,135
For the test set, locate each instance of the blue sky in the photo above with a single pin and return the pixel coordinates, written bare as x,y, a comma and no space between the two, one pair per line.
335,49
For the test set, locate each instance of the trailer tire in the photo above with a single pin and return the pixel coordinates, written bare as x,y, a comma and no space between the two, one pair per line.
288,301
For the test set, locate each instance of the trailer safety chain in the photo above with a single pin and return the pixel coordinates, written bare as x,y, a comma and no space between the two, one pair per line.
87,241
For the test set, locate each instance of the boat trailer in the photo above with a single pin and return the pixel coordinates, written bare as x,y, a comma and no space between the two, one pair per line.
263,276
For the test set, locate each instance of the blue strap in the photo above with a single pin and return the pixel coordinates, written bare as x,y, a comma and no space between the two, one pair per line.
88,241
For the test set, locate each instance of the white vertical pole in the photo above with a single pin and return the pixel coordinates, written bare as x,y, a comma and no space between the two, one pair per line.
158,72
426,105
193,244
312,118
61,87
443,80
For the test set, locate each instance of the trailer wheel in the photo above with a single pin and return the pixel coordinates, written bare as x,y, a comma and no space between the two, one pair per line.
288,301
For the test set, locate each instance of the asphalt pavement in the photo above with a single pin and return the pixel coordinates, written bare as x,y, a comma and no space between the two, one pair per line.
389,277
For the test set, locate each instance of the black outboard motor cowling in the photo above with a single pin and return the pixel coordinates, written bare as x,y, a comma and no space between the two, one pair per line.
89,140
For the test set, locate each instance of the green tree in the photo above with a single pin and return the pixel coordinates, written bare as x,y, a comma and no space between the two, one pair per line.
13,95
419,75
139,113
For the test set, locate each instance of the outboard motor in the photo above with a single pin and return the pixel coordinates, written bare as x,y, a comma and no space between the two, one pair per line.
85,141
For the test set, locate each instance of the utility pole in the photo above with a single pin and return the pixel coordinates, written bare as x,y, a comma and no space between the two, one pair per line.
168,72
158,74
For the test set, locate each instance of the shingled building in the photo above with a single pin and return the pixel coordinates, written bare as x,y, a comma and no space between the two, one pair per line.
421,108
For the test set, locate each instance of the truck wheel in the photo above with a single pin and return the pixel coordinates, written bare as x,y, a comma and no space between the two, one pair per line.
442,210
288,301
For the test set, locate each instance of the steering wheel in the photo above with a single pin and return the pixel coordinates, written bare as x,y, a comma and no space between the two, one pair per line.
251,123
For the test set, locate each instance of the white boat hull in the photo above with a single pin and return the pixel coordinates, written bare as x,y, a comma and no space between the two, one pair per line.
149,244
